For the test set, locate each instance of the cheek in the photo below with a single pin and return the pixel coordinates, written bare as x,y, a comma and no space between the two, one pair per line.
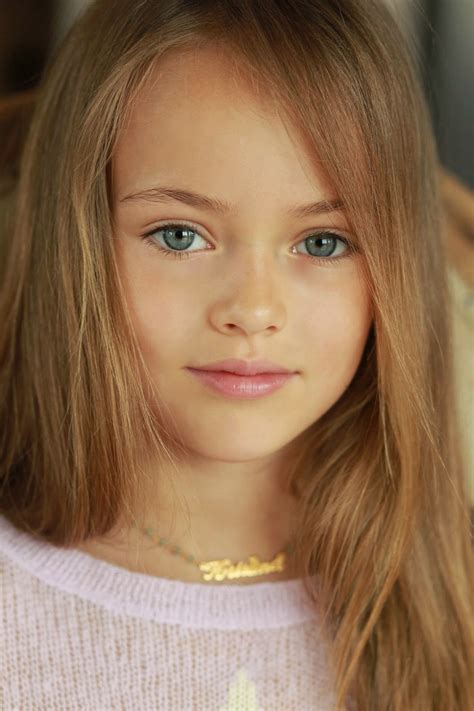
160,309
336,332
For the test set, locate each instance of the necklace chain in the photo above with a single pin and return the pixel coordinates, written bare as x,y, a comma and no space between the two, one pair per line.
224,569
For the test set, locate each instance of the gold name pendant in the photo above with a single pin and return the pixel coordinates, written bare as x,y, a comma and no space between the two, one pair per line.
225,569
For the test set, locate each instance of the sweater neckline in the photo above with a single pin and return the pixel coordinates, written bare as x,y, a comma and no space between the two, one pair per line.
199,605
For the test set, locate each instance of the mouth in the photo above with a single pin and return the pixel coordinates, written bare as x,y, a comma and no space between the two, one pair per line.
239,386
243,367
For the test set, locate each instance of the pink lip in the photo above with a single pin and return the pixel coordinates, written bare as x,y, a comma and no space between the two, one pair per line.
241,386
243,367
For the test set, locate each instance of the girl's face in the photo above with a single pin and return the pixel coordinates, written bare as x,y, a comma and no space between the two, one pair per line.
247,286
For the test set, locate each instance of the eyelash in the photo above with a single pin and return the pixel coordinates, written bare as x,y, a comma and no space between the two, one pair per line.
182,254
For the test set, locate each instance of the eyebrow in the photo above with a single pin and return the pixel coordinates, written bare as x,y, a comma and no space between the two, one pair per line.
189,197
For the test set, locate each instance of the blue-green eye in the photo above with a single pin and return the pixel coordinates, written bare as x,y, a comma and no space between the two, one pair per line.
324,244
178,236
321,245
177,239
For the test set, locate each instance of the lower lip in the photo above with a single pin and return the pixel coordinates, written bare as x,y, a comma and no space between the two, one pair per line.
242,386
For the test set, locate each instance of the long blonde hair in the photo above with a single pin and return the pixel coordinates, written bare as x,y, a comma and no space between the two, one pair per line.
384,512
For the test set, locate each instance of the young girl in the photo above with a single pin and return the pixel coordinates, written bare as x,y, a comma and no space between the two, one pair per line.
230,475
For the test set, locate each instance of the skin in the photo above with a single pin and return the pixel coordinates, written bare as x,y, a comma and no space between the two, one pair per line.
244,292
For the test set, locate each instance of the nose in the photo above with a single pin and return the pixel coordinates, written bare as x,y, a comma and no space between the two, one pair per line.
251,298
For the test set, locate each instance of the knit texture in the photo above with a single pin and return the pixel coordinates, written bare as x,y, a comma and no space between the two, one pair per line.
80,633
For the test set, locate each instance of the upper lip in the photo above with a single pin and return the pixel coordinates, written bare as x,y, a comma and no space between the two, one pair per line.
244,367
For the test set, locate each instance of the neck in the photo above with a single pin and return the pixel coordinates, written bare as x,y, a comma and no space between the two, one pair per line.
213,510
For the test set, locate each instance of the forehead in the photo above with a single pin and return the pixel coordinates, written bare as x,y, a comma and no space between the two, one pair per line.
206,73
199,115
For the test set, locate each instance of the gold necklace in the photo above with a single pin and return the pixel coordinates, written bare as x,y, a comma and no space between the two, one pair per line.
224,569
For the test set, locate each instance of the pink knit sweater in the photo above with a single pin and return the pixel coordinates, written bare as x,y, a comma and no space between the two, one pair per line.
80,633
